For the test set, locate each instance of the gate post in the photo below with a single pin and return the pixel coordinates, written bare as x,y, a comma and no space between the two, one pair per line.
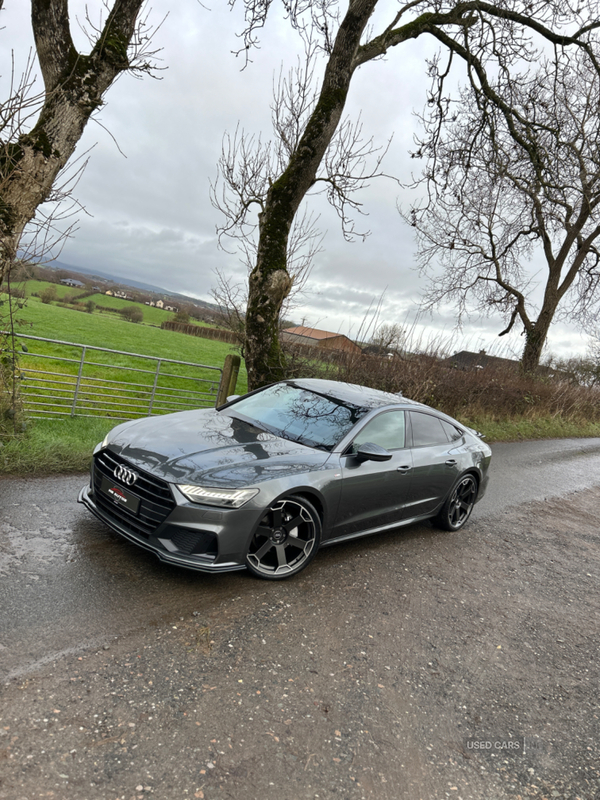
229,377
153,395
78,384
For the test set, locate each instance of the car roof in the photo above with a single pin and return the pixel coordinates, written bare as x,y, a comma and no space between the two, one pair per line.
361,396
364,396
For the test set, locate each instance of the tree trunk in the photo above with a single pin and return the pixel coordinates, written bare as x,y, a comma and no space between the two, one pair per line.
270,282
74,87
537,332
535,339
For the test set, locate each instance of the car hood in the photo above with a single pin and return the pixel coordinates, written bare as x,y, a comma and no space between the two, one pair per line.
211,447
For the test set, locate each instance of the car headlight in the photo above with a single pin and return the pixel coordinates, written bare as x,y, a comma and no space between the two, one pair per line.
104,441
228,498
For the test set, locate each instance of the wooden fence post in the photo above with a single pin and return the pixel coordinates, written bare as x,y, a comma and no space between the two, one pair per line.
231,369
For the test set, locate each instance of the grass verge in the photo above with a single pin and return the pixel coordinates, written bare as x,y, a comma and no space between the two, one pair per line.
522,429
53,447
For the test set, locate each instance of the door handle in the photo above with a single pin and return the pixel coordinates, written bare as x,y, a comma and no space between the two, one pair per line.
403,469
451,462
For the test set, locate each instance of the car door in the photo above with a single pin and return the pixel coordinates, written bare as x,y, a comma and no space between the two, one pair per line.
374,493
435,463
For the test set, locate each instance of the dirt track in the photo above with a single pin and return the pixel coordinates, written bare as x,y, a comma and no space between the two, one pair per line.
362,678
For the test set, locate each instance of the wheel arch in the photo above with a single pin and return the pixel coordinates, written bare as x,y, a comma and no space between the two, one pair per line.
312,497
469,471
475,473
441,518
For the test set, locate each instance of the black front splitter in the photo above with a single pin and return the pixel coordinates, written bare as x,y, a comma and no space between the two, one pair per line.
85,498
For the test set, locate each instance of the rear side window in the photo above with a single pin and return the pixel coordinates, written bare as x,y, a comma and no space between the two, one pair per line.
427,430
386,430
452,431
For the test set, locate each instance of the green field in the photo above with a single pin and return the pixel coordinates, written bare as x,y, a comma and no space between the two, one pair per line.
104,330
66,444
69,325
37,287
152,315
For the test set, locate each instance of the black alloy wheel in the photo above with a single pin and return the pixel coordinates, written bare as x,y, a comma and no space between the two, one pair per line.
286,540
457,508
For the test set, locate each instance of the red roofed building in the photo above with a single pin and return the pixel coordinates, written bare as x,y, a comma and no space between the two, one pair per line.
326,340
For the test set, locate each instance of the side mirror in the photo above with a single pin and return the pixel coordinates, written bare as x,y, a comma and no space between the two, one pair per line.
368,451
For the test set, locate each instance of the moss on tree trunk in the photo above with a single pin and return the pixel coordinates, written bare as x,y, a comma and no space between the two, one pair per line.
535,339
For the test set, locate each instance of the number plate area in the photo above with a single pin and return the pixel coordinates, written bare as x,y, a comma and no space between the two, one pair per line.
120,495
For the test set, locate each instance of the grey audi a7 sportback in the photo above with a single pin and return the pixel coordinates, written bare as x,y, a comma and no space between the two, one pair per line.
265,480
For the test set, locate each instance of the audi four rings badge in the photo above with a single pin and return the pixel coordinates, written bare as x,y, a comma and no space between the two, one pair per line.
128,476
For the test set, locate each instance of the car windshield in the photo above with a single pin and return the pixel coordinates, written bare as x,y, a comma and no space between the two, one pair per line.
298,414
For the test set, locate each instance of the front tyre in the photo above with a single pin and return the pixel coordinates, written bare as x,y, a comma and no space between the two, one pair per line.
457,508
286,540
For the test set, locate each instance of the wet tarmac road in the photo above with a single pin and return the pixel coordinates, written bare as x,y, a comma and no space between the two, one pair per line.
67,583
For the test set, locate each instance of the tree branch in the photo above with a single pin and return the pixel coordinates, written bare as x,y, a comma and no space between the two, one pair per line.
53,42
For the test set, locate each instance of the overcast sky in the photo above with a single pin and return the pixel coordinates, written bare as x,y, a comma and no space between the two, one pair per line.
155,148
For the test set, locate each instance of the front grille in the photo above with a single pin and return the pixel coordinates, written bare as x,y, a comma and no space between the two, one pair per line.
156,500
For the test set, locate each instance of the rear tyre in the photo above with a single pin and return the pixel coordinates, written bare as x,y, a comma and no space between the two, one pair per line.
286,540
457,508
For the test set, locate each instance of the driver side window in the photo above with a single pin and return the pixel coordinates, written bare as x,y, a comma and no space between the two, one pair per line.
386,430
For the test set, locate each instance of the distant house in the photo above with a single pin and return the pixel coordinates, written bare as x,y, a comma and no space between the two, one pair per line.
467,360
325,340
171,308
108,292
72,282
160,304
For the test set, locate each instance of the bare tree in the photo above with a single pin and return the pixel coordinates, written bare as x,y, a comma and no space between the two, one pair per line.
39,132
515,194
231,295
487,37
245,170
389,336
231,298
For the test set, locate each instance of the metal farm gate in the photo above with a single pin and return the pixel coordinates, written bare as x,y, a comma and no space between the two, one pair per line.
66,379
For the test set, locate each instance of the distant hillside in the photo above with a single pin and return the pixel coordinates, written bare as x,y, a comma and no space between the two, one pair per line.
123,281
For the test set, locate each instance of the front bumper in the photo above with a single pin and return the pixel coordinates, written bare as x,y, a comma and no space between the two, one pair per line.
164,542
